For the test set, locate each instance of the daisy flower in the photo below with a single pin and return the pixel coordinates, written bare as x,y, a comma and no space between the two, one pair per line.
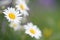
21,5
32,30
15,26
12,15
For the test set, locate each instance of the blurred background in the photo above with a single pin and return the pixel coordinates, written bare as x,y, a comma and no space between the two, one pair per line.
43,13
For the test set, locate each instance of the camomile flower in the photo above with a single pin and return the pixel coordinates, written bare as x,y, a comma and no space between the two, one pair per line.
15,26
32,30
12,15
21,5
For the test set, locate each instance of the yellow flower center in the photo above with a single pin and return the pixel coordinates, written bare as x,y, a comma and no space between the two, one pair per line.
22,6
32,31
11,15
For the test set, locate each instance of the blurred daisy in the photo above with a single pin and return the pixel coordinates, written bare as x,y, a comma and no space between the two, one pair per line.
32,30
12,15
15,26
21,5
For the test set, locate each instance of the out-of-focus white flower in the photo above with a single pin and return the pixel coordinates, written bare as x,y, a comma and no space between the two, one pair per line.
21,5
32,30
12,15
15,26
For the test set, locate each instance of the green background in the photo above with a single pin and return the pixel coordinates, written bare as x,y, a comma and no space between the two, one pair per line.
47,20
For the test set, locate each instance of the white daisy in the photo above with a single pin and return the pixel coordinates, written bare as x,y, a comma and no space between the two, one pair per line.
21,5
15,26
32,30
12,15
